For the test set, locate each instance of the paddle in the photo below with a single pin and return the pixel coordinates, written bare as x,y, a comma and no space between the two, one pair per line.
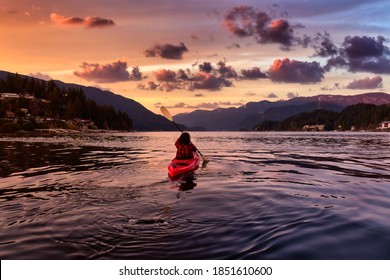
168,115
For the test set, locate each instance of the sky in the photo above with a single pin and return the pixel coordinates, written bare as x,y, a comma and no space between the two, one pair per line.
199,54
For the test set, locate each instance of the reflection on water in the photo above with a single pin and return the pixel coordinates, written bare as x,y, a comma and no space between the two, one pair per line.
261,196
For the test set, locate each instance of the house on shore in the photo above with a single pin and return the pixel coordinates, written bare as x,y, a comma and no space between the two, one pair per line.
11,95
317,127
385,125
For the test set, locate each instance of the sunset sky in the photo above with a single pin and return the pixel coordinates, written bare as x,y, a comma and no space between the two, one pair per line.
199,54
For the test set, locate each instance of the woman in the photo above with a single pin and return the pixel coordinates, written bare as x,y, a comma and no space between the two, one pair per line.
185,148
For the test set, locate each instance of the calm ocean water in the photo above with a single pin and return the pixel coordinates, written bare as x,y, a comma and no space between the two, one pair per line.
261,196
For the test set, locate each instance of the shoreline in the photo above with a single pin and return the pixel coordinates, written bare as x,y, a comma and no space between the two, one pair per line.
61,131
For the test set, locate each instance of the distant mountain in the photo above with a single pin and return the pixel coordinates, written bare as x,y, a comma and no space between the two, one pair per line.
253,113
142,118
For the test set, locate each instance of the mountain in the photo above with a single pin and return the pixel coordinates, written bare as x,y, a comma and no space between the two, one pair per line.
142,118
253,113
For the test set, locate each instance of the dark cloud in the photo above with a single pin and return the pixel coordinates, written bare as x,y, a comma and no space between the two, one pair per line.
226,71
357,47
205,67
366,83
293,71
291,95
209,82
167,51
98,22
323,45
272,95
107,73
246,21
208,77
184,74
252,74
362,54
377,65
91,22
148,86
337,61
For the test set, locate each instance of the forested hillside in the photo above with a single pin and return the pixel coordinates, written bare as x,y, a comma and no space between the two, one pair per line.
28,103
359,117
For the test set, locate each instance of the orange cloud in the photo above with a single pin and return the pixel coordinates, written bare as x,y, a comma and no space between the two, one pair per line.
88,22
164,75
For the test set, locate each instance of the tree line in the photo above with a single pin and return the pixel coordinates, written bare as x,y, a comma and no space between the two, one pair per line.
52,102
359,116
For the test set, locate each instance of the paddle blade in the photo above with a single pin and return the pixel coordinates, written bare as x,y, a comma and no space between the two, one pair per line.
166,113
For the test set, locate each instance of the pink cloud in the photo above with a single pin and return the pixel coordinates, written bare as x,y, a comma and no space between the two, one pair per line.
41,76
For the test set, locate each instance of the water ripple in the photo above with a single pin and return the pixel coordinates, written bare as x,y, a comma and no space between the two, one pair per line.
261,196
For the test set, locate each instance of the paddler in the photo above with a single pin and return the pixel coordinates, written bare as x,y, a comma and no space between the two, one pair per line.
185,148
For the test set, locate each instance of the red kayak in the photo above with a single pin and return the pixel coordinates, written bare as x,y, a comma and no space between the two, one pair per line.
180,166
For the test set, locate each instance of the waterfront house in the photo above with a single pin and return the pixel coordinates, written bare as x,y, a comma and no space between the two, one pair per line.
385,125
5,95
317,127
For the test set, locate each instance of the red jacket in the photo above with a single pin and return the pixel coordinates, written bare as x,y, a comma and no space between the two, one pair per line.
184,151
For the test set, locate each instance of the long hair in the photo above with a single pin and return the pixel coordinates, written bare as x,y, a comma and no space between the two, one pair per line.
185,138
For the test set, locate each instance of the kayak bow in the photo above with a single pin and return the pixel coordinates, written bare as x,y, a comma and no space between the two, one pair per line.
180,166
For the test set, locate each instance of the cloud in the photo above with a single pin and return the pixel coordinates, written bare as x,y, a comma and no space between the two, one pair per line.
164,75
379,65
366,83
252,74
356,47
205,67
246,21
167,51
336,86
226,71
294,71
108,73
323,45
291,95
148,86
92,22
209,77
362,54
209,82
194,37
204,105
233,46
272,95
98,22
41,76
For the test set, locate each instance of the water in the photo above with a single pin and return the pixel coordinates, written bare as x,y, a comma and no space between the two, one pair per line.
261,196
